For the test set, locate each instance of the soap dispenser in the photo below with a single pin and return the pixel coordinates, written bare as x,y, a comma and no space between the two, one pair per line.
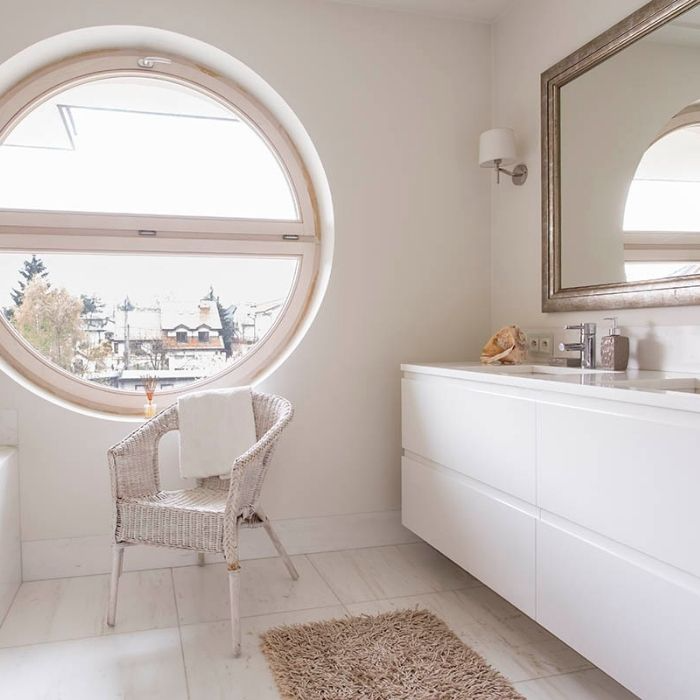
614,348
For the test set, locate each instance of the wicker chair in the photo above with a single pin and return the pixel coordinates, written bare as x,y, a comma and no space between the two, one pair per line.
203,519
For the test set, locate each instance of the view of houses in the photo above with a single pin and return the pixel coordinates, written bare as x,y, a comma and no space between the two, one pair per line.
119,343
177,343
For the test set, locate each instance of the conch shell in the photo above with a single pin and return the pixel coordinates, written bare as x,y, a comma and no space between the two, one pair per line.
507,346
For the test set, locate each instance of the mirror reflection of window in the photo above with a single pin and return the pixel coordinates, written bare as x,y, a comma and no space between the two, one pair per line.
662,216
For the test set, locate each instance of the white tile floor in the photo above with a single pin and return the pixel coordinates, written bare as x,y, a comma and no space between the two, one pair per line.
172,635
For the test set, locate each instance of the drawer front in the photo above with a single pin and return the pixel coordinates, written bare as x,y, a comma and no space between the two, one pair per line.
642,629
486,436
636,481
492,540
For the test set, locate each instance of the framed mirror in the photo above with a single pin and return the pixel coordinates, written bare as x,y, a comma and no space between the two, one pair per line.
621,165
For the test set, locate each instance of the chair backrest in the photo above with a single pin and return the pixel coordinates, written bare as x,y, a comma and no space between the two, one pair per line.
272,414
134,465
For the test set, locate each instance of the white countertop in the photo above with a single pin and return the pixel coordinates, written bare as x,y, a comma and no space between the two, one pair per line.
674,390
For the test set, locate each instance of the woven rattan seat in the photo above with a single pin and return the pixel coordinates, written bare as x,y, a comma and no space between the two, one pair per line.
204,519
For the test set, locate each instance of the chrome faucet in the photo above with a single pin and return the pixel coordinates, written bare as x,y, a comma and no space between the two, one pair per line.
586,344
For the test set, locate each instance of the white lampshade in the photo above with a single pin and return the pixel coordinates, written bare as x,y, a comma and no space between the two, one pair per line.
496,144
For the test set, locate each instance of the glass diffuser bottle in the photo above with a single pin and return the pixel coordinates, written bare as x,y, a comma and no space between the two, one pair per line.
149,385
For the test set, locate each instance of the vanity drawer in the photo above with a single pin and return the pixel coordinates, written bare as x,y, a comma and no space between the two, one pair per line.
491,539
635,479
485,435
640,627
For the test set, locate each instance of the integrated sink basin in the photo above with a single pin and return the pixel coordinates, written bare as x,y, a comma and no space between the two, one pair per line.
548,370
532,370
682,385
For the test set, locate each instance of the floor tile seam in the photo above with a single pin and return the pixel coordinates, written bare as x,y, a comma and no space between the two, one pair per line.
213,563
414,595
324,579
265,614
104,629
572,672
179,635
180,623
102,635
10,606
469,587
158,568
107,573
359,549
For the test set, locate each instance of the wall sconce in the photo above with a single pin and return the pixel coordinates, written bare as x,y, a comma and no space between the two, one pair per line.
497,148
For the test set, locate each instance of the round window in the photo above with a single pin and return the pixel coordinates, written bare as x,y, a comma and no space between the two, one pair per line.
157,229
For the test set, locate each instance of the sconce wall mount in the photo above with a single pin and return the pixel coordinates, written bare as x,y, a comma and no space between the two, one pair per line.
496,149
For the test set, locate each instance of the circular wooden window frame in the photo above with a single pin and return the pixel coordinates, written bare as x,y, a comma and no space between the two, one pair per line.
45,232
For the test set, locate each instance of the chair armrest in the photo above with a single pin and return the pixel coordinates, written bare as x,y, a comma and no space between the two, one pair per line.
133,462
248,470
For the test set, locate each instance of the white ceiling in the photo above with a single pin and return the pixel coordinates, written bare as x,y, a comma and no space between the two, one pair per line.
477,10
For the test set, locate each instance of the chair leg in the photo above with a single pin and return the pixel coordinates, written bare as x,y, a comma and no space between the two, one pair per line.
279,547
234,590
200,558
117,565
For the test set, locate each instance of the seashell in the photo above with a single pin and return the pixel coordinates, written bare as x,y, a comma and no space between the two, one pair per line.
507,346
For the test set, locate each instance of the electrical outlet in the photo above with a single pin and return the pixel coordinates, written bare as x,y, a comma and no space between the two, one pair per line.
533,343
546,344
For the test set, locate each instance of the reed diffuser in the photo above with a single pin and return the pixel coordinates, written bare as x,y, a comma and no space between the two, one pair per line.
149,386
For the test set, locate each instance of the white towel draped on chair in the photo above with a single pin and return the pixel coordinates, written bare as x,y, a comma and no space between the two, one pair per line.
216,426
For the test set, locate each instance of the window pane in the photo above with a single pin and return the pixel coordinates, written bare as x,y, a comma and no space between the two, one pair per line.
141,146
116,319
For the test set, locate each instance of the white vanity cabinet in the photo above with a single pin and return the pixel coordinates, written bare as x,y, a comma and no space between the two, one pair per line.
462,426
465,490
577,502
486,534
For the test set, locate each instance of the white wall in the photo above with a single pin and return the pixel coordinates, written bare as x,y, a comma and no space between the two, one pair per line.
10,545
526,41
394,104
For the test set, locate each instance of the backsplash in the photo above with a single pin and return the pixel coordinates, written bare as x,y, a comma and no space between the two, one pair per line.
8,426
668,348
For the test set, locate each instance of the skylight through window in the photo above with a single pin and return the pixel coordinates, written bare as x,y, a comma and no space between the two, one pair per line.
146,146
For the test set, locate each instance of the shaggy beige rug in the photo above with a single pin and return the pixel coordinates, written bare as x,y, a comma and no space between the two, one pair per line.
402,655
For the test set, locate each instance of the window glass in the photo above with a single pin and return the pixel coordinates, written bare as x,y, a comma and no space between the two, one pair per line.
116,319
141,145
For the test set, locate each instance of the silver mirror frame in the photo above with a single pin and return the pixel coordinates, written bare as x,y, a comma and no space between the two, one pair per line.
670,291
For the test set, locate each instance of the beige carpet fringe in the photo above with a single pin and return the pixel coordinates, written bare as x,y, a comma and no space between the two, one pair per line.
402,655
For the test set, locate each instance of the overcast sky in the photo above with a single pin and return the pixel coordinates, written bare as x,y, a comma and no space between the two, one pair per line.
147,279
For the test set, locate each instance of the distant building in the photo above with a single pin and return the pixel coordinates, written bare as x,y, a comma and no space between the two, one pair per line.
177,343
192,335
136,336
98,326
253,321
138,325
